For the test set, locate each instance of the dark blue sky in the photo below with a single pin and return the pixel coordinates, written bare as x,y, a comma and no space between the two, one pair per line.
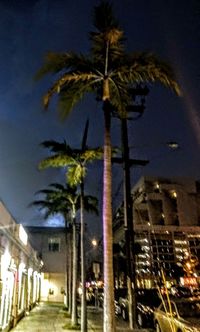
29,29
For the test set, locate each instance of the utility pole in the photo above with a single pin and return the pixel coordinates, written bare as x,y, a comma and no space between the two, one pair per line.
128,219
128,227
129,233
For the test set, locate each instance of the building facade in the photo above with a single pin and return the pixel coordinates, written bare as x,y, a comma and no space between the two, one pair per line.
166,223
20,277
50,242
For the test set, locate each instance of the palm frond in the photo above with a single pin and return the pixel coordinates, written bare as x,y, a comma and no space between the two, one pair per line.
146,67
58,147
43,191
40,203
108,31
113,36
65,80
58,199
69,96
58,62
104,18
63,199
76,174
91,204
56,161
73,160
57,186
91,155
53,63
99,44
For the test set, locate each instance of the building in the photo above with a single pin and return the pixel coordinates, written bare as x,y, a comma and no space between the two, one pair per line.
55,248
50,242
166,221
19,271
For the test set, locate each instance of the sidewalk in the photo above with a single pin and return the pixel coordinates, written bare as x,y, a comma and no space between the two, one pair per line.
53,318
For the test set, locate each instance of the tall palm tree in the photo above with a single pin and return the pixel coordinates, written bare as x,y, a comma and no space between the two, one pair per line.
108,71
74,160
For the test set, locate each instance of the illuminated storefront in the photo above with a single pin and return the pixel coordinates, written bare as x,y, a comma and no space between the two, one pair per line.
19,272
8,273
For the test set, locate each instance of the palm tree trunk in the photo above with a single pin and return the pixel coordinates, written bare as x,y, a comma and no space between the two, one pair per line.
74,319
67,268
109,317
83,297
68,258
70,273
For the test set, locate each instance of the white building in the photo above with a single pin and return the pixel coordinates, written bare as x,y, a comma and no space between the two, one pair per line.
19,271
50,242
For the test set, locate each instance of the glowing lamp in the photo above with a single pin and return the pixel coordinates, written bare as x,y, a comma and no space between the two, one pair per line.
23,235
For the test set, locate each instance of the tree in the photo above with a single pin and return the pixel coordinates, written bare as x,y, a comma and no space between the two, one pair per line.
66,200
108,71
75,160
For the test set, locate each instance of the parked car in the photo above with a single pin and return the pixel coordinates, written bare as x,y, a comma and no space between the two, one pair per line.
183,316
147,300
118,292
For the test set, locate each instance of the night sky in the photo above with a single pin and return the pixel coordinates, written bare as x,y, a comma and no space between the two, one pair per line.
28,30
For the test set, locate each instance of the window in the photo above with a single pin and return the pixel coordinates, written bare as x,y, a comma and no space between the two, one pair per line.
156,187
144,215
54,244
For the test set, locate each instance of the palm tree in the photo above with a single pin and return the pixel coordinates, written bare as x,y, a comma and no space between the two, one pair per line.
66,201
74,160
108,71
52,204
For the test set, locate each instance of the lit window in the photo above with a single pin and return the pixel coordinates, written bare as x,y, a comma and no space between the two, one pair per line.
156,187
54,244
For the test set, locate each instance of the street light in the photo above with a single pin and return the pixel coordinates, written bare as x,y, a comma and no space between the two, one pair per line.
94,242
173,145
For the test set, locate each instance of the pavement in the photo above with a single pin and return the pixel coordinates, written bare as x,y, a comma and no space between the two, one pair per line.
52,317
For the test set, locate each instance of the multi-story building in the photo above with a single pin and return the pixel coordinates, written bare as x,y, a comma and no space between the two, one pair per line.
55,248
166,223
19,271
50,242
